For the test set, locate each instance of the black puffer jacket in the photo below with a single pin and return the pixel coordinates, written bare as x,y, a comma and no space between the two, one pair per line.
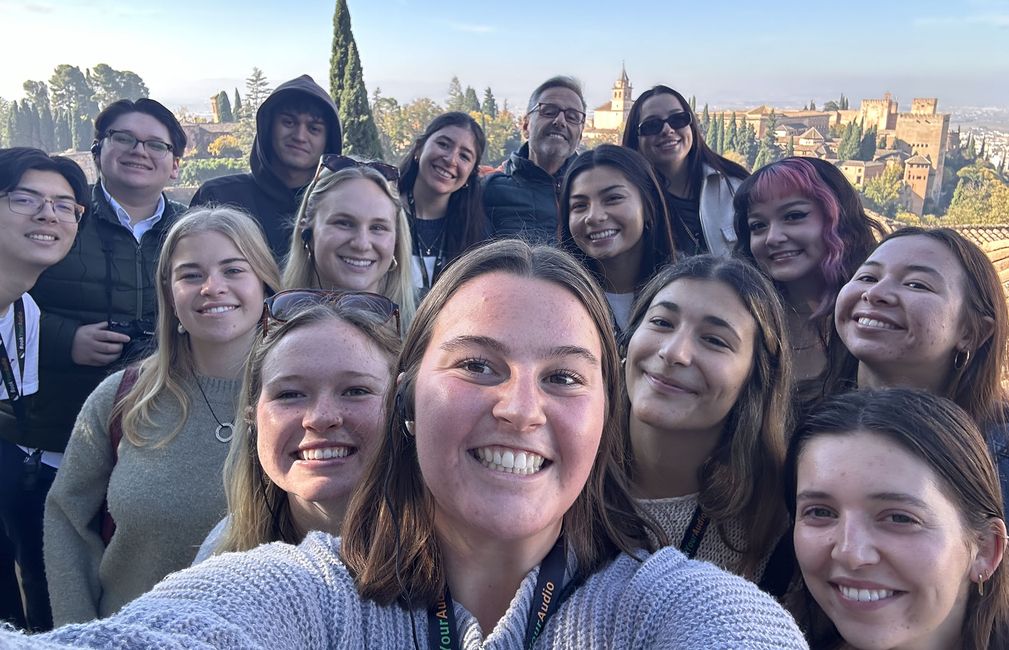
261,193
73,293
522,201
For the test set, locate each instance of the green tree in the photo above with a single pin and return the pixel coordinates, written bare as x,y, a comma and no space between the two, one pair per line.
705,122
867,146
503,137
257,89
980,197
111,85
342,38
223,104
748,144
489,106
472,104
731,143
5,109
236,106
38,92
360,136
790,147
883,193
62,133
693,104
812,105
456,100
717,132
970,152
981,153
71,93
768,151
848,148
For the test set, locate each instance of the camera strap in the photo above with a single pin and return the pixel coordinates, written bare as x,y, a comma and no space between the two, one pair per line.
7,371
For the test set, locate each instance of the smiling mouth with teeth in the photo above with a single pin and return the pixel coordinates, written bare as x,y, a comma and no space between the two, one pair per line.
510,461
325,453
603,234
37,236
864,595
218,310
877,324
357,262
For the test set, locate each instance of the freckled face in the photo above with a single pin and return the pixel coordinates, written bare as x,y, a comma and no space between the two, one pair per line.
510,405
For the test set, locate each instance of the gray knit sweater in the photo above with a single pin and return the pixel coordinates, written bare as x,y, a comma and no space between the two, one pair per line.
302,597
163,499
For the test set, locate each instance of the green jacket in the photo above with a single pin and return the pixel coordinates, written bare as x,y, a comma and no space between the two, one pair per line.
73,293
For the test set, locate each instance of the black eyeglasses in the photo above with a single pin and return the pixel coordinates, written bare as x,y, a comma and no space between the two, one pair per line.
334,162
653,125
30,204
550,111
125,140
282,306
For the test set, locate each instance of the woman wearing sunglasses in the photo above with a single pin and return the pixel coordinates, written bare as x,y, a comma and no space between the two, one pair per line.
699,184
351,233
494,512
439,180
313,420
122,514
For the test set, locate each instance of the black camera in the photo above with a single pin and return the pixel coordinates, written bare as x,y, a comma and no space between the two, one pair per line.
141,333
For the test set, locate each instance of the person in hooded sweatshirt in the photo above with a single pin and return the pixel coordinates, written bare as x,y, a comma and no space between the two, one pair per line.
295,125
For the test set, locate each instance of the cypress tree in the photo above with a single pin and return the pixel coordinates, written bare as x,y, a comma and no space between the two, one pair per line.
360,135
489,105
236,106
456,97
343,38
790,147
472,103
12,125
731,143
224,107
61,132
705,121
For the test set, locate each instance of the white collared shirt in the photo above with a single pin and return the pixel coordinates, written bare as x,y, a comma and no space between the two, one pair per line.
140,227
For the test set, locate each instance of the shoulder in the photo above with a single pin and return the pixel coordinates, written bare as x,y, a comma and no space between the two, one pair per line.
224,189
666,588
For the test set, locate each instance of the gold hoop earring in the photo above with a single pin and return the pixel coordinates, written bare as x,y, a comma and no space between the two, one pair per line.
393,266
957,363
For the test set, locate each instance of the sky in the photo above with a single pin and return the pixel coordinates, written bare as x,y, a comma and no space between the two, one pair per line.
728,54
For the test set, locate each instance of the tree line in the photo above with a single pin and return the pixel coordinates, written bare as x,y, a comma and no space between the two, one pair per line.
59,115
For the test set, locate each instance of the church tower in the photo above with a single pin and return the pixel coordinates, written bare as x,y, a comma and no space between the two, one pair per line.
621,101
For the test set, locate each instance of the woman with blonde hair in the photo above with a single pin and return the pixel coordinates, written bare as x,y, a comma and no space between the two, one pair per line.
311,421
123,514
351,234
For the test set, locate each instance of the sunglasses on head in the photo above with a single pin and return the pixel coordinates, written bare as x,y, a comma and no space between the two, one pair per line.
282,306
334,162
653,125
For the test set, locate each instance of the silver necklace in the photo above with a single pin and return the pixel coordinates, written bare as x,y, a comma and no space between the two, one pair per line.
225,430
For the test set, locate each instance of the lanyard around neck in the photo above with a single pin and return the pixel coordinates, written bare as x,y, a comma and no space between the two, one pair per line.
6,370
694,535
441,628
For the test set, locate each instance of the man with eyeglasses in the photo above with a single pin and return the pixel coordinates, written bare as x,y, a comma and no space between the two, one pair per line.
41,203
98,304
522,201
295,125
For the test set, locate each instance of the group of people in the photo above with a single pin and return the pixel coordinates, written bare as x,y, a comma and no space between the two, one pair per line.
559,405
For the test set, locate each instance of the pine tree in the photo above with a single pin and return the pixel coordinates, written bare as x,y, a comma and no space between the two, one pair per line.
472,103
13,136
867,146
768,151
790,147
489,105
456,100
748,144
236,106
730,135
256,91
342,39
848,149
360,135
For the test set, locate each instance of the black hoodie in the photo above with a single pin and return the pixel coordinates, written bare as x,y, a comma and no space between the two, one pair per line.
261,193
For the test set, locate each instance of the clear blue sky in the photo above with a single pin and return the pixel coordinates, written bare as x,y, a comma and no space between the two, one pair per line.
727,53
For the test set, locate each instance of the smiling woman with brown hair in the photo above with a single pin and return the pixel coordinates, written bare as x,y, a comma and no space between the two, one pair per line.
494,513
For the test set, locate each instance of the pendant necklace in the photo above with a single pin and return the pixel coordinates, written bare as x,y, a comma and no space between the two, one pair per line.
225,430
423,249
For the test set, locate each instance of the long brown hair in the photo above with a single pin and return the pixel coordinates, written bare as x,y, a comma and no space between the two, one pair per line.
389,542
943,437
742,478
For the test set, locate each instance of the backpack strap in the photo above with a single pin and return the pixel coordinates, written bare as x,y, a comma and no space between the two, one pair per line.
127,382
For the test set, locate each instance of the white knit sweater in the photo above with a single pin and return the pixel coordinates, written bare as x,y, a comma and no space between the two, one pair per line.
281,596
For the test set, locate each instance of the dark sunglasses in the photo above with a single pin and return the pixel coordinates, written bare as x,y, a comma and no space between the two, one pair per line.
334,162
653,125
282,306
